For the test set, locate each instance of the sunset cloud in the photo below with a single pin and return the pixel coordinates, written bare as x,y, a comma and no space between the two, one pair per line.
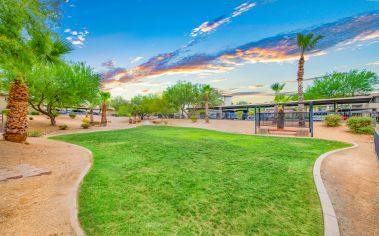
209,26
278,48
373,63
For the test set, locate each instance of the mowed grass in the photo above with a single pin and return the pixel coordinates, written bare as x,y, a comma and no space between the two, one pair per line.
156,180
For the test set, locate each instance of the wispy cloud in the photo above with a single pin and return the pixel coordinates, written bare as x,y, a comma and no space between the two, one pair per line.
110,63
278,48
76,37
136,59
373,63
209,26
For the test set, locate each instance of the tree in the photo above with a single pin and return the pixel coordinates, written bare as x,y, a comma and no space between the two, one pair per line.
339,84
105,96
117,102
304,42
25,40
208,97
182,95
206,89
58,86
242,103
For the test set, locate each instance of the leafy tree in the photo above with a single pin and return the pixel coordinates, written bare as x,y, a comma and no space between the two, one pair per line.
339,84
65,85
182,95
25,40
304,42
105,96
242,103
117,102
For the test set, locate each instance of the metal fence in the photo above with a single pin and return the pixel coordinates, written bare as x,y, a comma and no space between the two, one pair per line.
376,143
291,119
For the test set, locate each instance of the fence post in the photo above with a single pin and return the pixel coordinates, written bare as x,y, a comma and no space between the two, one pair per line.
256,120
311,118
374,111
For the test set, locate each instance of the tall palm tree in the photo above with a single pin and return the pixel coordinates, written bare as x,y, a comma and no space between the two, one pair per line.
25,40
304,42
105,96
206,90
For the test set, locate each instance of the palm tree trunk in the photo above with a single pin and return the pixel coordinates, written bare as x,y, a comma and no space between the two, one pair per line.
104,114
17,117
300,90
206,109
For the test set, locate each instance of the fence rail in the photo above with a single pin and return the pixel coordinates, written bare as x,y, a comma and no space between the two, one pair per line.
376,142
291,119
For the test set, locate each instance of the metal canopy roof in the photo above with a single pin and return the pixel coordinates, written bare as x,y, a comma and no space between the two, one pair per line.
331,101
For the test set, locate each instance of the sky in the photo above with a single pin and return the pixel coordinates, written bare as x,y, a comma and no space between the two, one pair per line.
240,47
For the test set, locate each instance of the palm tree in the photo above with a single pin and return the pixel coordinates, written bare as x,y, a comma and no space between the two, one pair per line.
105,96
206,90
304,42
25,41
277,88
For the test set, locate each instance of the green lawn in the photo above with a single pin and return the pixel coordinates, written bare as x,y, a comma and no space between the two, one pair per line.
156,180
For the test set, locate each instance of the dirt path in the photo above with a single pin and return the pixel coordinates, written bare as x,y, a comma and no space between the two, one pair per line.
40,205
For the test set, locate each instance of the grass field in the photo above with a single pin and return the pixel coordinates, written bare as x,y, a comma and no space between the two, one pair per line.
156,180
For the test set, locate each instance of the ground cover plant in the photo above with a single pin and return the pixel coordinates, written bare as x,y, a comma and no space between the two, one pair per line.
160,180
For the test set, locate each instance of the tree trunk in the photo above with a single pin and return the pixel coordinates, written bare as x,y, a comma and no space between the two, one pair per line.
91,116
206,109
53,122
104,114
17,117
300,90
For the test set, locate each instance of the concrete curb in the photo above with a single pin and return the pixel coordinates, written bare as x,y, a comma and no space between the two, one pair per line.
330,220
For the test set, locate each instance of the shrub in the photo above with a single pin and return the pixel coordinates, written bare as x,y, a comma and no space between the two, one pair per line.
86,120
333,120
4,112
96,123
63,127
72,115
34,113
239,115
360,125
194,118
202,112
85,125
165,122
31,118
34,134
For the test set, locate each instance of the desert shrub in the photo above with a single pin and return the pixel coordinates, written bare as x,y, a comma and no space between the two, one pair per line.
333,120
63,127
361,125
251,113
194,118
202,112
96,123
239,115
34,133
86,120
85,125
4,112
165,122
31,118
34,113
72,115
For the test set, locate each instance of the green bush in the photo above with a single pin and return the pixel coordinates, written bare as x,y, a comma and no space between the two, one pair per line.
194,118
86,120
34,134
202,112
361,125
72,115
239,115
63,127
85,125
333,120
34,113
4,112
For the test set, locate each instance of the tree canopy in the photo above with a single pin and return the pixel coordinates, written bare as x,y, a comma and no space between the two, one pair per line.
66,85
339,84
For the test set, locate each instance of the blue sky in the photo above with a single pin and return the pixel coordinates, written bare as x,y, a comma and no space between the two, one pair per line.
143,46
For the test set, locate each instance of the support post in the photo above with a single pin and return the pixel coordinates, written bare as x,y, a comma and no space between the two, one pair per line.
255,120
311,128
335,107
374,111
